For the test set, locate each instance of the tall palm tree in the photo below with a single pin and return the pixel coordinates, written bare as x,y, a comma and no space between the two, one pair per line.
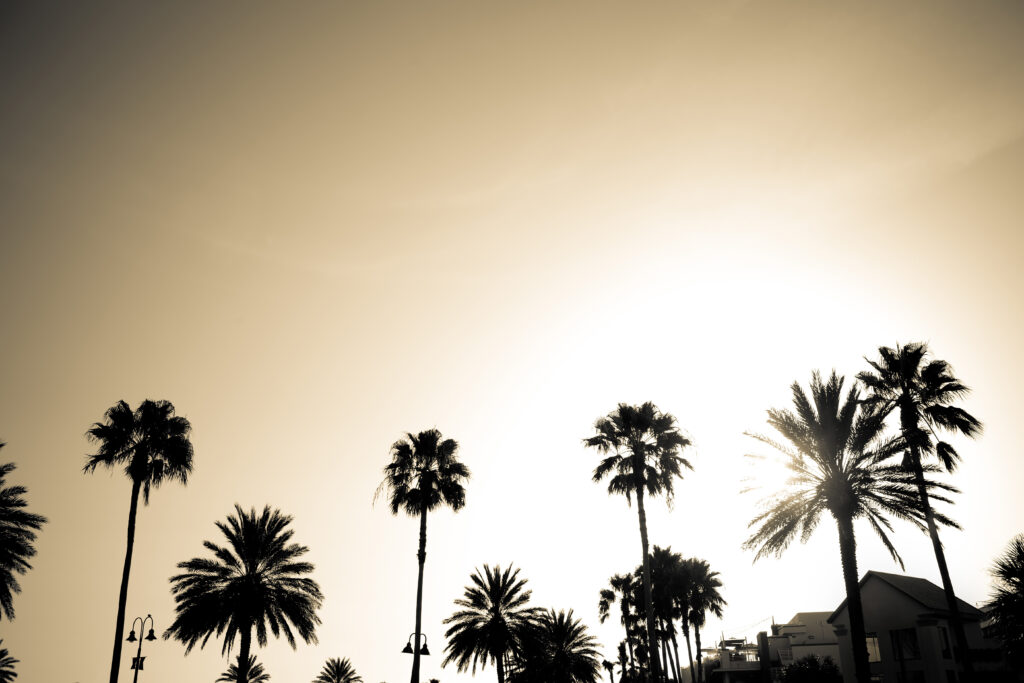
1006,606
7,662
834,448
703,598
338,671
557,649
256,674
255,581
493,617
423,474
152,445
18,529
922,392
642,446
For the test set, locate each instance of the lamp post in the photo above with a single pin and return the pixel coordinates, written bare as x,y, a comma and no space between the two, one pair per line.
137,660
422,650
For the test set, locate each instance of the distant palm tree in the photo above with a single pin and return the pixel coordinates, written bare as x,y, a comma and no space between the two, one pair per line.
610,668
494,614
622,588
423,473
7,662
152,445
338,671
703,599
642,446
256,673
1007,604
18,529
922,391
255,581
557,649
834,449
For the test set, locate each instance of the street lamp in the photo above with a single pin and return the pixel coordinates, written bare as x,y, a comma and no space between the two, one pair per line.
138,658
408,646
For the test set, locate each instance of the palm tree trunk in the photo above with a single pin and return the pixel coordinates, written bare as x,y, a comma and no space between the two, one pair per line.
955,619
665,665
629,642
243,655
422,557
652,646
858,636
700,660
122,597
689,652
499,663
675,647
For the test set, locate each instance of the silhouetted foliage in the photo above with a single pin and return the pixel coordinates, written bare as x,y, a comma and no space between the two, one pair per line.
811,669
490,624
556,649
702,598
152,445
624,589
1006,607
7,662
642,449
338,671
256,673
834,449
255,581
18,529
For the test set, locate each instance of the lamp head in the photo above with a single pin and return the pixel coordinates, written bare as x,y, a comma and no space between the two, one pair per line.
151,636
131,637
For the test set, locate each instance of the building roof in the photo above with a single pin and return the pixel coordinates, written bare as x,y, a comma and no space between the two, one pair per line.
931,597
802,618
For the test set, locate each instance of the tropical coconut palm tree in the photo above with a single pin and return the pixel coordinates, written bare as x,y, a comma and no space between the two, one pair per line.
557,649
152,445
423,474
834,449
1006,607
18,529
256,673
642,449
338,671
7,662
703,598
255,581
922,392
493,617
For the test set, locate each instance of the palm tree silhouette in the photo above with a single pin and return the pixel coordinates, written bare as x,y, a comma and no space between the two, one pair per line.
642,446
557,649
922,392
423,474
703,598
610,668
834,449
338,671
493,617
255,581
152,444
1006,607
256,672
18,529
7,662
622,588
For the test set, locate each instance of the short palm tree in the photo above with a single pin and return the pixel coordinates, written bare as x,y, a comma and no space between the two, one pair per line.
338,671
703,599
7,662
18,529
1007,604
256,674
834,448
255,581
423,474
922,392
151,443
557,649
493,615
642,447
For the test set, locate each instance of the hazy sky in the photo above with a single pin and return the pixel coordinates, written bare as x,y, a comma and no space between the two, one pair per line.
316,226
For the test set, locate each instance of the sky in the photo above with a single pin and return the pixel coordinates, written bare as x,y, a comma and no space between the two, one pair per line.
315,227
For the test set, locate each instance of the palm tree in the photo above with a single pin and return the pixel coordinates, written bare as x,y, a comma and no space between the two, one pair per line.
255,581
493,617
7,662
18,529
610,668
834,449
256,672
703,598
642,446
1007,604
922,391
423,474
557,649
152,445
338,671
623,588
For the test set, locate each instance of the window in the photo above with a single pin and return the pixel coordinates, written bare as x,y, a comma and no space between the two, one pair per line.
874,653
904,644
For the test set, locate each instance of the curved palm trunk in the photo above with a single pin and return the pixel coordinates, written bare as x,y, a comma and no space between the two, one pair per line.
652,645
122,597
858,636
963,650
243,656
422,557
689,652
700,660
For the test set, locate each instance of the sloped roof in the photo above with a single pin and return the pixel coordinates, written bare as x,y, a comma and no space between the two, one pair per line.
922,591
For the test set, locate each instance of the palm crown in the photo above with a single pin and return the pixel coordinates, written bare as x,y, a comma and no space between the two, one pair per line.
423,473
558,649
1006,606
7,662
257,674
18,529
338,671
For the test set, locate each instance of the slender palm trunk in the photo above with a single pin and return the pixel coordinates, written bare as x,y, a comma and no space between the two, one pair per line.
422,557
675,648
243,655
956,621
629,643
665,665
700,660
689,652
858,636
652,645
499,663
122,597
